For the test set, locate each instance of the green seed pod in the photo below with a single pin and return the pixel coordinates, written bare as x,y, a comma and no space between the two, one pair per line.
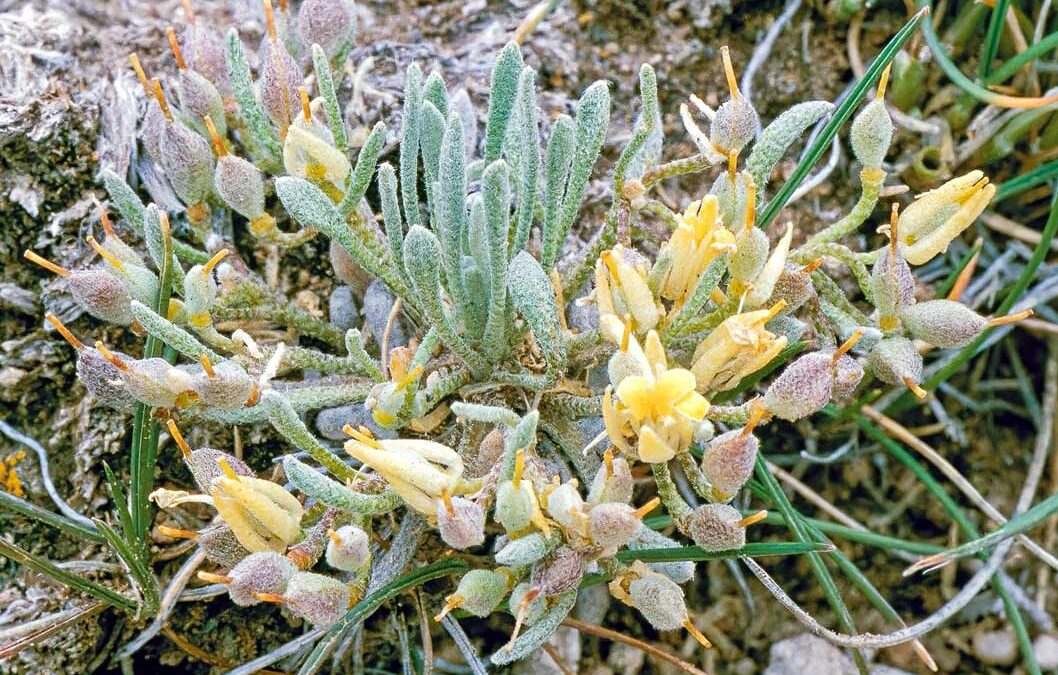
199,98
750,256
646,538
188,163
734,125
240,185
892,286
895,360
278,84
224,386
559,572
264,572
728,461
514,505
221,546
871,134
101,294
331,24
205,466
803,388
566,506
535,608
318,599
461,522
523,551
611,525
943,323
731,199
348,549
480,592
715,527
613,482
660,601
200,291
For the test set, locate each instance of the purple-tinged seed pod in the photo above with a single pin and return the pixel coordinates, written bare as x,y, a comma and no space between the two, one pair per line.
892,283
224,386
318,599
240,186
612,524
719,527
348,549
804,387
204,463
613,481
479,593
728,459
659,600
460,521
736,121
187,161
848,373
278,84
203,51
329,23
948,324
264,572
96,290
100,377
559,572
199,98
221,546
794,286
153,381
894,360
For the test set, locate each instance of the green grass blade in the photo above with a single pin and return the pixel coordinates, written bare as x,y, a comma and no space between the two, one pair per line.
760,550
841,115
990,48
23,508
1015,63
1026,181
23,557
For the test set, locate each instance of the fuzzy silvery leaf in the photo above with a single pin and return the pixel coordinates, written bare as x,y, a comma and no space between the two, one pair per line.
521,437
451,206
539,632
394,225
171,334
559,159
325,82
125,199
502,93
285,419
780,135
435,92
301,398
354,344
431,133
332,493
262,138
475,311
490,414
644,147
360,178
153,237
533,296
528,157
593,120
409,144
497,206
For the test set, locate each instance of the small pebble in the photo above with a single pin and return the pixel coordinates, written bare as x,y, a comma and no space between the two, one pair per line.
1046,649
995,647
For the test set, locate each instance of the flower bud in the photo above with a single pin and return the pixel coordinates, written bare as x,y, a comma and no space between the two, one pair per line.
930,223
943,323
895,360
224,386
200,290
728,461
566,506
478,593
263,516
892,286
523,550
264,572
613,481
750,256
331,24
348,549
559,572
612,524
515,501
732,195
318,599
460,521
716,527
871,134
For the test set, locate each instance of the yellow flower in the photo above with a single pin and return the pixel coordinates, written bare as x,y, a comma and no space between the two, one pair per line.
420,471
308,156
927,226
736,348
660,407
261,514
699,238
621,288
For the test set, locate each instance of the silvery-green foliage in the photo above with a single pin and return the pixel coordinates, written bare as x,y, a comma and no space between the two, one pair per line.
539,632
778,136
263,143
332,493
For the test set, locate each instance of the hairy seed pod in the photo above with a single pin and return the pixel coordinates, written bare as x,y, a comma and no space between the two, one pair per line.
523,551
348,549
566,506
787,326
199,98
559,572
892,286
151,131
848,373
734,125
318,599
264,572
203,51
331,24
728,461
895,360
221,547
943,323
534,609
611,525
278,84
871,134
514,505
240,185
101,294
714,527
157,383
103,380
731,198
228,387
659,600
480,592
680,572
803,388
188,163
461,522
750,256
794,287
204,464
613,483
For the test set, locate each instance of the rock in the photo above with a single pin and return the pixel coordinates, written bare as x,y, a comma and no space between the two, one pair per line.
995,647
1046,649
807,653
343,310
